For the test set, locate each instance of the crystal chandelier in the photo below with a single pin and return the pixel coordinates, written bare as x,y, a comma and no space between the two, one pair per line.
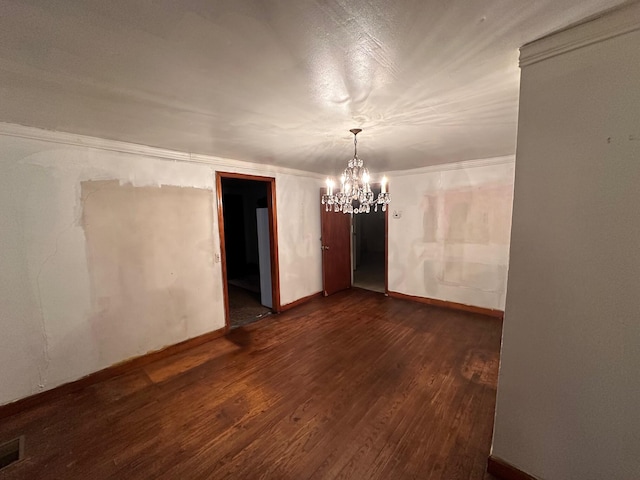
355,187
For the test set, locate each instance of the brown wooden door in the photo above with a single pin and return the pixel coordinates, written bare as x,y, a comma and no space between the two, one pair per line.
336,251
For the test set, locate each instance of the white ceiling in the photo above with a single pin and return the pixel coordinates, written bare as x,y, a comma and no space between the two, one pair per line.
279,82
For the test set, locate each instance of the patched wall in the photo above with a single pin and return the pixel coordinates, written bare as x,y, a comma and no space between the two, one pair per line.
449,237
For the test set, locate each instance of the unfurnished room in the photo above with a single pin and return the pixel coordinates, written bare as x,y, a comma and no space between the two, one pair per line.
319,239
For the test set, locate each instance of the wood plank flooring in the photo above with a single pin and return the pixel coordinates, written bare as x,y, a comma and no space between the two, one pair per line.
352,386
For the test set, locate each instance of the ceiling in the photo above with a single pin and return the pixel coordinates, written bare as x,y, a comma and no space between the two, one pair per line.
278,81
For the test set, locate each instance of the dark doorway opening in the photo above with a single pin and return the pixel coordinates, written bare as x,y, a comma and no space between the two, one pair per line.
369,248
247,249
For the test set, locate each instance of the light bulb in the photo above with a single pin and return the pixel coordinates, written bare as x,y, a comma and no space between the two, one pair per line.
329,186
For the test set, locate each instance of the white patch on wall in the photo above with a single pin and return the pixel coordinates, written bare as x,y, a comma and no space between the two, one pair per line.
452,242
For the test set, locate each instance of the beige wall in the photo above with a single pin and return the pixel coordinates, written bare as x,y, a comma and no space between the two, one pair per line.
107,255
149,252
450,239
569,386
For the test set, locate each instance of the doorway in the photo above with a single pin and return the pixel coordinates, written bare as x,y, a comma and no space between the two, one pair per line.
369,249
248,246
354,249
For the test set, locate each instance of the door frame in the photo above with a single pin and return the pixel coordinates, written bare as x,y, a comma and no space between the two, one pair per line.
273,238
386,249
386,245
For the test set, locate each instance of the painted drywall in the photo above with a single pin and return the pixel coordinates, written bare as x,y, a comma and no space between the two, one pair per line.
298,200
569,387
449,232
80,288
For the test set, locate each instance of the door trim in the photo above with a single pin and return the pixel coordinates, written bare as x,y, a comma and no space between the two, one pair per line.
273,238
386,249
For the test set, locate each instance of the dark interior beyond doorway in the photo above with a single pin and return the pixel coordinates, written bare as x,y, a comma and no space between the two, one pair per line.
240,199
369,249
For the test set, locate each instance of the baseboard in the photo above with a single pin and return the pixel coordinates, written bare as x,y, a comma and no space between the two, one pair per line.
451,305
106,373
505,471
300,301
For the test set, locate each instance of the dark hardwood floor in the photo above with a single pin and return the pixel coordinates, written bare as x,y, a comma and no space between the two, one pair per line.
352,386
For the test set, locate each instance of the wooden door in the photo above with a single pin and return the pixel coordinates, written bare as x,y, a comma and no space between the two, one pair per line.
336,251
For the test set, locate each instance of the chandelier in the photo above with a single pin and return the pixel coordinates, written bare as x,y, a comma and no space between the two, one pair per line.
355,187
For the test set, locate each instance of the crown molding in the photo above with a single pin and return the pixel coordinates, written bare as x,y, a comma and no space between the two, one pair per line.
71,139
64,138
217,163
464,165
611,23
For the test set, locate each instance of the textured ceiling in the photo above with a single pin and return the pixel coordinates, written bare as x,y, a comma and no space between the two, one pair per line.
282,81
